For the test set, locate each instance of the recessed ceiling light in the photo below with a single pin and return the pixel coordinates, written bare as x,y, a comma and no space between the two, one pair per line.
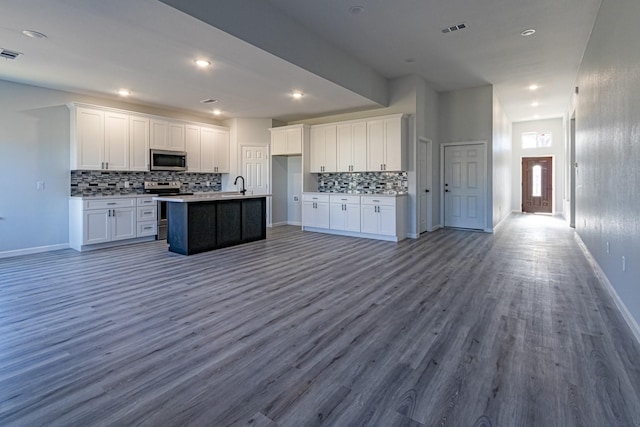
124,92
536,116
217,112
533,87
297,95
34,34
410,60
534,104
355,10
528,32
202,63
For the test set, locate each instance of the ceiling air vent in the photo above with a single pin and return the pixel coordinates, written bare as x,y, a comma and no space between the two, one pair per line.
209,101
453,28
9,54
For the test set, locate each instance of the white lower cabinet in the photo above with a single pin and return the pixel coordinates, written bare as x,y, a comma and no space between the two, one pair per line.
147,218
378,215
345,212
97,221
375,217
315,210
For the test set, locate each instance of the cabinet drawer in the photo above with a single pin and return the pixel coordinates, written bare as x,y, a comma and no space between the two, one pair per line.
380,201
109,203
146,201
345,199
147,213
315,198
147,228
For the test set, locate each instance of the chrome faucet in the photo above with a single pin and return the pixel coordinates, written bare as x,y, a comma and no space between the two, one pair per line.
244,190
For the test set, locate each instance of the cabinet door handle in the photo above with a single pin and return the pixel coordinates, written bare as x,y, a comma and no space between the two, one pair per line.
107,165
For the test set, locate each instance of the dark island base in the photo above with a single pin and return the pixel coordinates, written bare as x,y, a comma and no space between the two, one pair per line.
203,226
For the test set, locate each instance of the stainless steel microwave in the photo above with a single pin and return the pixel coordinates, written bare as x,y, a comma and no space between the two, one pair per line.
164,160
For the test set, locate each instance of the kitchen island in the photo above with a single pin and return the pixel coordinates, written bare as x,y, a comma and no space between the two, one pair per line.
203,222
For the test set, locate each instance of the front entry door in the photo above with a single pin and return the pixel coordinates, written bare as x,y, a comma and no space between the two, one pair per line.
537,188
464,186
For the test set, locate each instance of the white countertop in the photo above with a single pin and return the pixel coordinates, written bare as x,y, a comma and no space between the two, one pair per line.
115,196
208,197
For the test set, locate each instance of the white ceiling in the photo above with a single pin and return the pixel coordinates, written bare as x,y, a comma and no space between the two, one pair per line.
98,46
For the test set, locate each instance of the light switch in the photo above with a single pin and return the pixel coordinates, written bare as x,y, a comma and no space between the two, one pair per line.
39,185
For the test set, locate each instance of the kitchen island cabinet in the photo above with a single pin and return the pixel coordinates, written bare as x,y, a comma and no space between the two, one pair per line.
202,223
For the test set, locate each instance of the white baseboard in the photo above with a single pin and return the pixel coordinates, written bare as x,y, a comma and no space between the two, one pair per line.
436,227
36,250
628,317
501,223
279,224
413,235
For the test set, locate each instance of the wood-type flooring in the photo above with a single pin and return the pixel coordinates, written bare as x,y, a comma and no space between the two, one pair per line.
457,328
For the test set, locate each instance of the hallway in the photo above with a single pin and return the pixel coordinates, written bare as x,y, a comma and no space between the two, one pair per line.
458,328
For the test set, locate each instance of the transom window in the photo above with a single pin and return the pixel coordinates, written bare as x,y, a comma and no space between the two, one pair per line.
536,139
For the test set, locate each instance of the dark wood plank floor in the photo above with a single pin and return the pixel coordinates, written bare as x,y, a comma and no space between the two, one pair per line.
458,329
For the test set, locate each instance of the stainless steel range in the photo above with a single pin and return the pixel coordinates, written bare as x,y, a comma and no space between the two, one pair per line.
163,188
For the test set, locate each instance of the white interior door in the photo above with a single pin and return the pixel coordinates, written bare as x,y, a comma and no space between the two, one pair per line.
464,186
255,169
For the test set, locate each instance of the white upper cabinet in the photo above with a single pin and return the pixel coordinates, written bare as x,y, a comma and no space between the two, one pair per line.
221,143
193,148
87,139
116,141
99,140
352,147
103,138
167,135
369,145
138,143
323,147
287,140
385,144
207,149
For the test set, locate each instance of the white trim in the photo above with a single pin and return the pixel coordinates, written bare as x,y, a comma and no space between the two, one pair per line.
36,250
501,223
628,317
354,234
486,181
413,235
437,227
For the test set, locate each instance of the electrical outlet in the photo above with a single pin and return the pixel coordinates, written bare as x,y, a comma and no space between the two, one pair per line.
624,264
296,199
126,184
608,248
208,183
39,185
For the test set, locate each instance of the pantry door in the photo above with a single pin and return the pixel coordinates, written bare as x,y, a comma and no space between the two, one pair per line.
464,186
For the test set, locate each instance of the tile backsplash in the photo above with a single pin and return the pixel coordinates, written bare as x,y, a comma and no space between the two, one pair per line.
364,182
107,183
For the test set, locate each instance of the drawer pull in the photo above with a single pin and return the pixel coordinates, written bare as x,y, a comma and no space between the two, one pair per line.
148,213
112,203
148,228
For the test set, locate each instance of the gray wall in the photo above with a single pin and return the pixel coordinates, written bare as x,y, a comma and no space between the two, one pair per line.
502,170
467,115
34,146
608,147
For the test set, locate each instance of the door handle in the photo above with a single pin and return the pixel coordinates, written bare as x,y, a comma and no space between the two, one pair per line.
446,191
426,191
